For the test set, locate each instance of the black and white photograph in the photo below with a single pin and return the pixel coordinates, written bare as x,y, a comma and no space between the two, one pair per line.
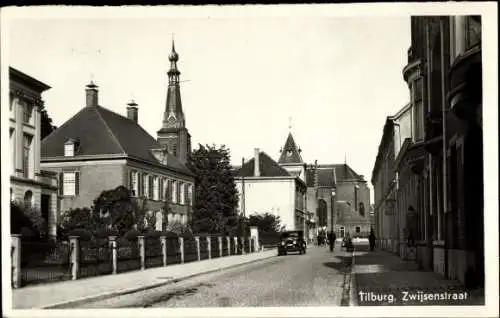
331,160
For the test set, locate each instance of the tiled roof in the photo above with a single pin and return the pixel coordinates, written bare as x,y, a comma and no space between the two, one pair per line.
326,177
103,132
347,215
290,146
268,168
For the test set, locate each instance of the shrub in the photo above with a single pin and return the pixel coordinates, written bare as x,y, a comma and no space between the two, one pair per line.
27,219
132,235
83,234
169,234
105,233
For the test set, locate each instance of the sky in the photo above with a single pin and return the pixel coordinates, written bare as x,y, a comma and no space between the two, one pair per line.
336,77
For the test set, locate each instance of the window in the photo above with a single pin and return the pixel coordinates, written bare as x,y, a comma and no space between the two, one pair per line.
358,229
145,185
70,183
182,192
156,188
150,187
69,149
361,209
161,193
27,155
27,112
28,198
190,194
174,191
134,184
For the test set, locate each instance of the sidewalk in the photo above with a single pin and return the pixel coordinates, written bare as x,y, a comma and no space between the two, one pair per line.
76,292
380,274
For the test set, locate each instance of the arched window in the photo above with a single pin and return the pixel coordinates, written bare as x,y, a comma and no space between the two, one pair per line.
361,209
28,198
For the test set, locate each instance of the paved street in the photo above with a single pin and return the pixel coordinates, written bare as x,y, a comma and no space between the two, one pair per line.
314,279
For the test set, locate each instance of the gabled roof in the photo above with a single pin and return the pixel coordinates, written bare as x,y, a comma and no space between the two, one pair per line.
103,132
268,168
326,175
290,152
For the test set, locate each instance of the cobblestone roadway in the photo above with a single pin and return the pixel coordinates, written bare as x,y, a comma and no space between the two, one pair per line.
314,279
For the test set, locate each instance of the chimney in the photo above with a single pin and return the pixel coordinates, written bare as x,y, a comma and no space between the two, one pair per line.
256,169
132,111
91,92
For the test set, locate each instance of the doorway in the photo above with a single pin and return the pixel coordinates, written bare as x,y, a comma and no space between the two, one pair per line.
342,231
45,209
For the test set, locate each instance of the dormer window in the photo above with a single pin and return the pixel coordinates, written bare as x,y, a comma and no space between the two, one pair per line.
70,147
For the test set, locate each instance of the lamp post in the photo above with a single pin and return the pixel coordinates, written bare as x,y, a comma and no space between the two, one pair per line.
332,244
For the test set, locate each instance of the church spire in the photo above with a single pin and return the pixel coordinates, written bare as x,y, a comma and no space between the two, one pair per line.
290,153
173,116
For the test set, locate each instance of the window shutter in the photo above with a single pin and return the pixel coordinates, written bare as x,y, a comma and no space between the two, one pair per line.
130,184
77,183
61,183
151,194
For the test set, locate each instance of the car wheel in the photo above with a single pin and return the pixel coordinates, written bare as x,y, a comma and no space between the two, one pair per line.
284,253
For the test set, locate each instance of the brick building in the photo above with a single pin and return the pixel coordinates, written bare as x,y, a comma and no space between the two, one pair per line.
29,184
439,167
98,150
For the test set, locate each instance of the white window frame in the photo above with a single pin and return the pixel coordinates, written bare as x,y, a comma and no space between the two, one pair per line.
190,193
156,188
145,185
69,149
182,193
69,183
135,183
174,191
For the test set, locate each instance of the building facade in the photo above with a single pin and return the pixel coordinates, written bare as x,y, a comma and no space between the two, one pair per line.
98,150
266,187
439,168
29,184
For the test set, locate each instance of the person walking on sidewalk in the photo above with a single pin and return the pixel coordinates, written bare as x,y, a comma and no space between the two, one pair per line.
371,239
331,239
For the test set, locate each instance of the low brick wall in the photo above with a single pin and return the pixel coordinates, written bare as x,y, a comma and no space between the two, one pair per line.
438,259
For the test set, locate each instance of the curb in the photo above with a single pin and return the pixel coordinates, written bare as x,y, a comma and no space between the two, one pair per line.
353,287
103,296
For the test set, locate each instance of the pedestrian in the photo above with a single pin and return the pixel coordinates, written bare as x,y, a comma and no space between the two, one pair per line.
371,239
334,239
330,240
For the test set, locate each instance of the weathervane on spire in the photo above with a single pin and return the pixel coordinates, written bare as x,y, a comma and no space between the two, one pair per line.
290,123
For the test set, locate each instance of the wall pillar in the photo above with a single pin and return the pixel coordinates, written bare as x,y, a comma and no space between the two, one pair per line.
254,233
242,239
197,239
220,245
235,240
209,247
114,253
74,256
228,240
142,251
181,249
16,260
163,241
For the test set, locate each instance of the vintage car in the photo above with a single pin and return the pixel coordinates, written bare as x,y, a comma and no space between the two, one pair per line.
291,241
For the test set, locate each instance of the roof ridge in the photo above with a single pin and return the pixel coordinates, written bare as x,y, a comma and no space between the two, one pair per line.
108,128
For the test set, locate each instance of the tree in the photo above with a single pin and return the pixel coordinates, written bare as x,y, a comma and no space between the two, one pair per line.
46,123
216,197
265,222
116,209
79,218
26,219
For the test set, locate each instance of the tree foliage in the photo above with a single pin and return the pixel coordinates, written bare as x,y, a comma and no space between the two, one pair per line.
46,123
216,198
265,222
78,218
26,219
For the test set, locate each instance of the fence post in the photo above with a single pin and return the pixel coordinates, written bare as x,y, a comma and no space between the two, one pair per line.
220,245
235,239
242,239
142,251
250,249
114,253
75,255
197,239
228,240
254,233
163,240
181,249
209,247
16,260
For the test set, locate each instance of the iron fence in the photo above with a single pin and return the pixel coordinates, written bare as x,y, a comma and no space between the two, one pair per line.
95,258
214,246
43,262
128,256
225,247
173,251
190,250
203,248
153,253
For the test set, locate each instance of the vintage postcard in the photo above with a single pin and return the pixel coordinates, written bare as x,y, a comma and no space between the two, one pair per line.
259,160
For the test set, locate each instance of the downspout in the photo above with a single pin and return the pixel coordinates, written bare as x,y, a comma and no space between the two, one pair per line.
444,70
429,167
